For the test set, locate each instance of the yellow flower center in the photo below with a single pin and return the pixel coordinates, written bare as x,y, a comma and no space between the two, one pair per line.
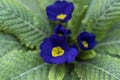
60,34
85,44
57,51
61,16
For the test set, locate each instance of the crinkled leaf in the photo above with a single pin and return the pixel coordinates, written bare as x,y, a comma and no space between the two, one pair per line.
99,68
111,44
102,14
39,72
16,62
9,43
17,20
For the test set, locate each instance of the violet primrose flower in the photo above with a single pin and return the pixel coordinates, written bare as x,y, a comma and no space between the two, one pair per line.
55,50
86,41
61,31
60,10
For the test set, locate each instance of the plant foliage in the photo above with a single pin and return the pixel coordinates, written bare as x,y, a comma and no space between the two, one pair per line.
24,25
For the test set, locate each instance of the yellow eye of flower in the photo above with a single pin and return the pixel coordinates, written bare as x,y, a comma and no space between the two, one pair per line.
57,51
85,44
60,34
61,16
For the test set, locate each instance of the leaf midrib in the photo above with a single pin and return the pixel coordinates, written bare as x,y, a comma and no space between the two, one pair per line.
37,29
95,66
108,43
104,11
6,41
35,68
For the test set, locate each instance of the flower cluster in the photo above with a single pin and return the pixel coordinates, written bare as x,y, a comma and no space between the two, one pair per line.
55,49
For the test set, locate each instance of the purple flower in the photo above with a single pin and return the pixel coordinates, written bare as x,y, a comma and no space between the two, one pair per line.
61,31
60,10
86,41
55,50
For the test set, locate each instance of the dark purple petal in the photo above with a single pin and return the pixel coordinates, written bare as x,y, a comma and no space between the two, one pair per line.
69,9
89,38
58,60
57,40
60,4
92,45
59,29
46,47
60,7
67,18
71,53
52,13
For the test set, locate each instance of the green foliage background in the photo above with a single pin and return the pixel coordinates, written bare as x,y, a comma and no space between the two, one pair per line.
24,25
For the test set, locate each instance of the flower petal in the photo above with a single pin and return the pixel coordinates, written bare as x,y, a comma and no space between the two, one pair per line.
59,41
58,60
45,49
60,7
71,53
69,8
88,38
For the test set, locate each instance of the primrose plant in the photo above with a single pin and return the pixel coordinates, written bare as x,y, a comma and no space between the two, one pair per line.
60,39
55,49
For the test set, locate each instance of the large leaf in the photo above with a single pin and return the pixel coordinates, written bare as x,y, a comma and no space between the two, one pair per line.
32,5
9,43
37,73
101,15
16,59
100,68
17,20
111,44
17,62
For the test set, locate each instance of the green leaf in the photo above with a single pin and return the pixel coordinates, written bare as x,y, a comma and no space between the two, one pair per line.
32,5
85,55
43,4
39,72
71,76
17,62
111,44
102,14
100,68
57,72
80,9
15,58
17,20
9,43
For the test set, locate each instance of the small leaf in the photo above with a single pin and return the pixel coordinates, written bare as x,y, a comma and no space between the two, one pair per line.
85,55
57,72
71,76
79,12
